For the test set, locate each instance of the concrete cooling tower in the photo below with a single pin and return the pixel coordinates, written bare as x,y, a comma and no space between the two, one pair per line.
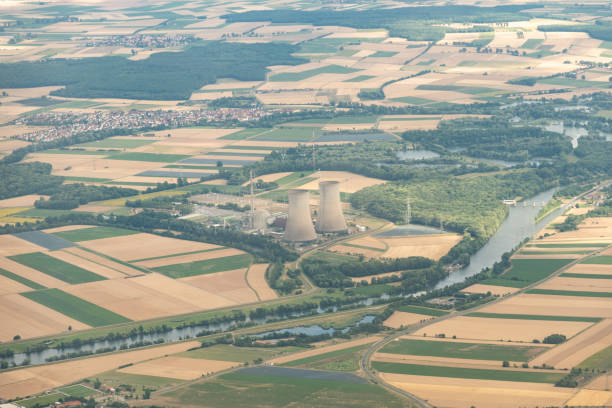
299,223
330,217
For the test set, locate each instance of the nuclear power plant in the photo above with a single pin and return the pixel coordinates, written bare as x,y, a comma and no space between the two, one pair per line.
330,217
299,223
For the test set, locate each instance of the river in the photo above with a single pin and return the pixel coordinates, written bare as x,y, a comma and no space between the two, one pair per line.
519,224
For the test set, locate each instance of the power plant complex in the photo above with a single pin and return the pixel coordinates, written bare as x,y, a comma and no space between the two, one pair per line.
330,218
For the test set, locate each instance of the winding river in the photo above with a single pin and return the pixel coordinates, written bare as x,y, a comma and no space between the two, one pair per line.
519,224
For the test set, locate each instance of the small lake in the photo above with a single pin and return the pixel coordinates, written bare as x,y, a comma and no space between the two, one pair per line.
313,330
417,155
574,133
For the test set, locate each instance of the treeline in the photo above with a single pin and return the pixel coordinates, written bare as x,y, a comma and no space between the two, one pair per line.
601,30
493,138
234,102
69,196
414,23
331,274
26,178
162,76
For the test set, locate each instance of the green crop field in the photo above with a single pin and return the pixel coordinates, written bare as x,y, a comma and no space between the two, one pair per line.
179,254
91,233
20,279
44,213
586,275
504,282
338,360
263,391
601,360
383,54
533,270
363,247
534,317
532,43
600,245
299,76
238,154
471,90
223,352
244,134
359,78
295,134
227,263
58,269
80,152
422,310
75,307
89,179
149,157
576,252
576,83
79,391
599,260
569,293
115,143
462,350
42,401
412,100
471,373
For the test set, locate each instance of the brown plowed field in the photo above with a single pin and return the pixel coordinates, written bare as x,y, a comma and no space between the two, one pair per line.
256,276
67,228
104,261
229,285
21,201
11,245
466,393
180,259
591,269
343,249
349,182
448,362
432,246
180,368
325,349
553,305
579,348
495,290
579,284
591,398
33,380
148,296
85,264
502,329
141,246
28,319
399,319
8,285
479,341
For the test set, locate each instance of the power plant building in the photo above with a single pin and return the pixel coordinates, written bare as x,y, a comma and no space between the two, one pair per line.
299,222
330,217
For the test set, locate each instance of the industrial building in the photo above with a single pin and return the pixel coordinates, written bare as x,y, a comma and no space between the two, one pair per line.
299,222
330,217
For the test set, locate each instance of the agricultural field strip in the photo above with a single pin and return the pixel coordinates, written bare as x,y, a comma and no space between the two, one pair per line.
56,268
537,376
207,266
365,362
448,362
323,350
187,258
105,260
577,349
362,247
32,380
180,254
461,350
20,279
75,307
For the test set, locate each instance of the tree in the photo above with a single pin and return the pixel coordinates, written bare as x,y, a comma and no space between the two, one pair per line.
219,163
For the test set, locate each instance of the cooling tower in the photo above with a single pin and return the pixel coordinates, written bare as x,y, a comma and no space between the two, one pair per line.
299,223
330,217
